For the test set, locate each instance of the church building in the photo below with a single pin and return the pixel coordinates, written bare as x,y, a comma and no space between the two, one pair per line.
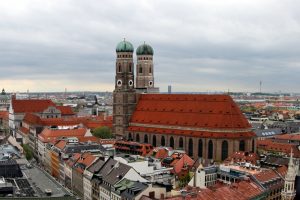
205,126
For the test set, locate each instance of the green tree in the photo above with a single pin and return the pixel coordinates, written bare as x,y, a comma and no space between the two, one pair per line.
103,132
28,151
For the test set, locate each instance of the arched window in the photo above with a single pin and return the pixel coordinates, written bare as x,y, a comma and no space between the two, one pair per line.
190,147
200,148
146,139
154,141
140,69
242,145
210,149
137,137
119,68
171,142
130,67
181,143
224,150
129,137
253,146
163,141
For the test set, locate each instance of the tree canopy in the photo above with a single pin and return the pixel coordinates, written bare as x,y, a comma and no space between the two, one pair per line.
103,132
28,152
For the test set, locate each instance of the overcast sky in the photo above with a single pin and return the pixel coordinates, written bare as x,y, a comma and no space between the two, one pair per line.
199,46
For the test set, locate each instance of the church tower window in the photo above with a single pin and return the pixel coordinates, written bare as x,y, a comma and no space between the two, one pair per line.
119,68
130,67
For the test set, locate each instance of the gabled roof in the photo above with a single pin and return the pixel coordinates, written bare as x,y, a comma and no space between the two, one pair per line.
85,160
61,144
116,174
285,148
96,166
240,156
195,110
32,119
191,114
48,135
294,136
266,175
31,105
65,110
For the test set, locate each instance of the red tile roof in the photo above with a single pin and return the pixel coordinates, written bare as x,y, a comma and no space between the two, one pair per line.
240,156
24,130
85,159
293,136
37,106
61,144
181,162
71,161
266,175
48,135
95,122
269,145
159,152
31,105
243,190
65,110
206,114
32,119
4,115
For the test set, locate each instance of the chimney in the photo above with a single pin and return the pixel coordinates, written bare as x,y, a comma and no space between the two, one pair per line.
13,96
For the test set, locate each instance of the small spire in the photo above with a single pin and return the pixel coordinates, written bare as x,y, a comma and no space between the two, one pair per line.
124,39
291,158
144,42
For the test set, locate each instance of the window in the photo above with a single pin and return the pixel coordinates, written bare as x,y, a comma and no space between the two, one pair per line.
191,147
210,150
154,141
119,68
181,143
146,139
129,137
150,69
224,150
172,142
242,145
200,148
140,70
163,141
130,67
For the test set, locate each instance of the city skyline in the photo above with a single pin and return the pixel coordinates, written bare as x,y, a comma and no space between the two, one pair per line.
198,46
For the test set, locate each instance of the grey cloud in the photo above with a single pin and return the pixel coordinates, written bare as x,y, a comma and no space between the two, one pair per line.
199,45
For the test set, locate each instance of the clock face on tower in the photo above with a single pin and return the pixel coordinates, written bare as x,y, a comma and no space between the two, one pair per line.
130,83
119,83
150,83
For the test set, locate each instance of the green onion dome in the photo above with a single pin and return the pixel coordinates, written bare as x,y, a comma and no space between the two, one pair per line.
144,49
124,46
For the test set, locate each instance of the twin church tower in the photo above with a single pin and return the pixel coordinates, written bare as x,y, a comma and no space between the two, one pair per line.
128,88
